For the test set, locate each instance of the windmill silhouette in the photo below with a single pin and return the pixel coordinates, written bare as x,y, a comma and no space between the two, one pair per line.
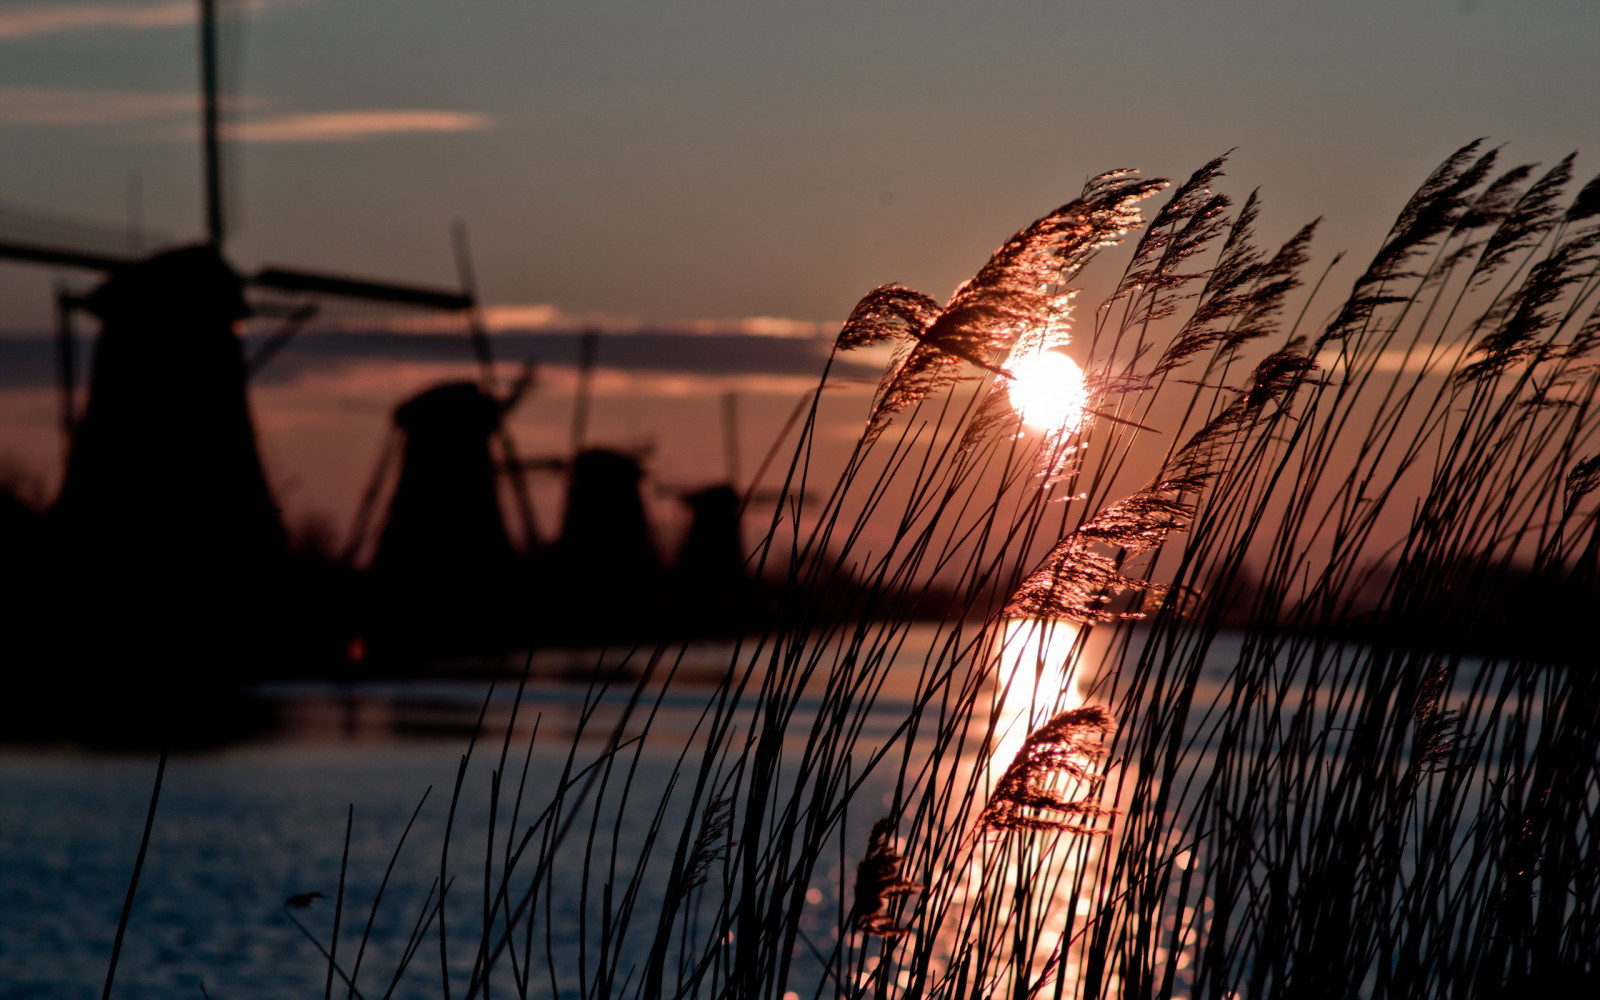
165,532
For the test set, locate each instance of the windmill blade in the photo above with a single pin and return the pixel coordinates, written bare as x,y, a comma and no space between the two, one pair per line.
62,256
468,278
56,240
730,436
293,280
806,402
286,279
588,352
361,528
67,367
293,322
526,379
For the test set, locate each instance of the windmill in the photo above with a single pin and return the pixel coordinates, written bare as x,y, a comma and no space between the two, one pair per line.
163,477
91,250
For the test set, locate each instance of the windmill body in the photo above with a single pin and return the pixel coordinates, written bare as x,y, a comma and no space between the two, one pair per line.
602,576
445,579
164,470
444,521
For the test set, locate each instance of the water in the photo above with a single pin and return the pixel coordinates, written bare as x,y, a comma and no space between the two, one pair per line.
236,834
240,830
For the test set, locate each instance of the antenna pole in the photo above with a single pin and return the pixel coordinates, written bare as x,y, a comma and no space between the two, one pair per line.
484,352
211,122
588,346
66,369
730,437
468,279
135,213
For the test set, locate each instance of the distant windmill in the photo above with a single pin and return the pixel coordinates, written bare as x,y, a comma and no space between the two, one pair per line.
163,469
88,249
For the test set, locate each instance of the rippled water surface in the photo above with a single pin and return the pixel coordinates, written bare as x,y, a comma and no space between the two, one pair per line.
240,830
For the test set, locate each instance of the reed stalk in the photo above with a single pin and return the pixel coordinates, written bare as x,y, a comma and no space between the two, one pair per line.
1327,725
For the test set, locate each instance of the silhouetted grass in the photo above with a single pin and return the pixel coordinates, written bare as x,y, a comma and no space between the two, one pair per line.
1332,798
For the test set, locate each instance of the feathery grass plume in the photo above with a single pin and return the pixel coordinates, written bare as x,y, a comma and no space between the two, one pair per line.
1187,199
1582,480
1069,745
1270,284
1587,203
1076,583
1440,741
710,844
1533,215
1300,812
1018,290
1139,522
1050,330
1586,338
887,312
1433,211
879,878
1274,380
1517,338
1489,208
1495,202
1182,228
992,412
1242,293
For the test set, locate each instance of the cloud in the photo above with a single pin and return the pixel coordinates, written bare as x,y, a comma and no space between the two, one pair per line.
372,384
42,19
668,361
54,106
543,316
66,107
546,318
656,352
1435,361
51,19
763,326
352,126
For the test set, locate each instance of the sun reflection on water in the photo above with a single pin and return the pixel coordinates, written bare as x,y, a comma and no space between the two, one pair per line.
1037,678
1035,882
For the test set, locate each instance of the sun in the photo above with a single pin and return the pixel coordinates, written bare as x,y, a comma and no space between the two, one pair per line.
1047,391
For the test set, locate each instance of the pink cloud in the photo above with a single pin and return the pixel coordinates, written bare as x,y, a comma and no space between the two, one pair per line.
352,126
24,22
763,326
545,317
51,19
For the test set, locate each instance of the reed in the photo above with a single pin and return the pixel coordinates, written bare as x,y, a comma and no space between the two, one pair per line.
1305,739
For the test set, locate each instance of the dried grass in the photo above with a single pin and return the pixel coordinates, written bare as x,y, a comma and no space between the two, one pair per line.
1358,788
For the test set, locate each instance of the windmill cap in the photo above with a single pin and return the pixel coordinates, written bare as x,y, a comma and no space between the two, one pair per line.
455,406
190,283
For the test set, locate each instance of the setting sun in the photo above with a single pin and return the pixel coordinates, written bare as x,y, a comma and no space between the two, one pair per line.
1047,391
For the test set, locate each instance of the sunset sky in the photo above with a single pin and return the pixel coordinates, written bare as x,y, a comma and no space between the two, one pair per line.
708,167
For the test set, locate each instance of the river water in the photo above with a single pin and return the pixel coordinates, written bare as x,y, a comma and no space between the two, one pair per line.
241,829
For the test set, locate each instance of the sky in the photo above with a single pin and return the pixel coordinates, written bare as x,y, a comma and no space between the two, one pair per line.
724,169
